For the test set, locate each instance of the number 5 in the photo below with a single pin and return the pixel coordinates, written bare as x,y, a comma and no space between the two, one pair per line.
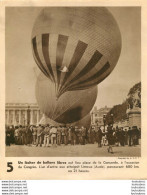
9,165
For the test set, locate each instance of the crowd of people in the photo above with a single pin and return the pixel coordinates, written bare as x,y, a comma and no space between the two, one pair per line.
49,135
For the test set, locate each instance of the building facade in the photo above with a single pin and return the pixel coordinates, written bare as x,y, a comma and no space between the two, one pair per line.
22,114
97,115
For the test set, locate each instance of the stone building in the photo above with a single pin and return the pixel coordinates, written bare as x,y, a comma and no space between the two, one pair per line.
97,115
22,114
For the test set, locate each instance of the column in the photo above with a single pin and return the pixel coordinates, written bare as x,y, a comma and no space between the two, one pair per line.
13,117
26,117
38,116
31,115
7,117
19,117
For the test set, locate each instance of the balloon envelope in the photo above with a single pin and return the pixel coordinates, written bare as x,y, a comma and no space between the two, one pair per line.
69,107
86,122
76,47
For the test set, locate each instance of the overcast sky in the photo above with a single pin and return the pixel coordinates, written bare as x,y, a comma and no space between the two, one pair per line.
20,65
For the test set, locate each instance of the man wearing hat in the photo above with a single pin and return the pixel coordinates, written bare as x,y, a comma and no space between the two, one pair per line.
46,135
53,134
59,128
39,135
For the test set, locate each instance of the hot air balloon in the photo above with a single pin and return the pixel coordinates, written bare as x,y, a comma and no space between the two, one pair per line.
86,122
68,108
75,47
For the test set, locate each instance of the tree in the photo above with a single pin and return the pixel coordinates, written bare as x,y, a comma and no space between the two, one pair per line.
119,111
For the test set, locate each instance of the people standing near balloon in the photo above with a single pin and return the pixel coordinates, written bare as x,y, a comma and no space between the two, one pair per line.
16,135
34,134
110,138
89,135
29,137
92,135
99,136
73,136
24,135
46,136
8,135
39,135
122,137
77,135
59,132
20,135
66,135
126,137
69,134
53,134
117,143
130,137
135,135
62,135
83,132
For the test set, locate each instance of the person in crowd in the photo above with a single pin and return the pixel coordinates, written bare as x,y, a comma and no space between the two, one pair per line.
63,135
110,138
34,134
104,138
96,133
29,136
129,136
20,135
66,135
89,135
83,133
138,135
139,132
80,135
16,135
69,134
122,137
39,135
12,138
59,135
53,133
99,137
135,135
46,136
117,135
24,135
77,134
8,136
126,137
93,135
73,136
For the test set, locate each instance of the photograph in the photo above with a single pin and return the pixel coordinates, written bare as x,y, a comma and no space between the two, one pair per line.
73,81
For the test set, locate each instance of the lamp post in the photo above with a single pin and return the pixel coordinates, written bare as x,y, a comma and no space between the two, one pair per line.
104,120
28,115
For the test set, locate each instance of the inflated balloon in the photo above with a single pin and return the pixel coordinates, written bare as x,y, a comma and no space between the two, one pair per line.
68,108
85,122
76,48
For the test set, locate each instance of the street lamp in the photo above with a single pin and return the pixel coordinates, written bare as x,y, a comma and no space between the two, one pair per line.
28,115
104,120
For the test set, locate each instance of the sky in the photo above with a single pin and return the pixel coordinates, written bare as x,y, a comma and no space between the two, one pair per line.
21,68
